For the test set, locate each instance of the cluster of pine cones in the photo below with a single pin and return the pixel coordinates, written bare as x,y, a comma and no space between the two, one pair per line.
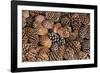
53,36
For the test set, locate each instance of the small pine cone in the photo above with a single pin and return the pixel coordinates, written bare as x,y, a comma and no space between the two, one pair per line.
87,36
48,24
86,46
28,31
61,51
83,55
54,56
30,57
54,47
26,47
54,16
35,13
84,30
25,13
42,57
56,27
57,55
24,39
34,39
69,54
76,22
68,28
44,50
41,30
45,41
54,37
85,19
75,45
65,21
63,32
29,21
39,18
72,36
23,22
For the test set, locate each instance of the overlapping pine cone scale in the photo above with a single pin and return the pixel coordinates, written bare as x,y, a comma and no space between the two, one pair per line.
53,36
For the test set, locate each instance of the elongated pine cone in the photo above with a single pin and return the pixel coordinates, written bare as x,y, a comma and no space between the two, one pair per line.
48,24
84,30
45,41
76,22
86,46
54,16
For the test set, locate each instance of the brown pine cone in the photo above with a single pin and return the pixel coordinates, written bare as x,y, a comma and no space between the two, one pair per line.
35,13
84,31
57,54
39,18
75,22
75,45
41,30
34,39
69,54
25,13
54,16
63,32
83,55
45,41
65,21
85,18
48,24
86,46
56,27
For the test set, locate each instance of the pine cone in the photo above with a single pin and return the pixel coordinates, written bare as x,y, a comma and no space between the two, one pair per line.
86,46
48,24
35,13
63,32
57,55
25,13
69,54
54,16
65,21
85,19
56,27
45,41
56,38
29,21
84,31
83,55
75,45
34,39
39,18
41,30
75,22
